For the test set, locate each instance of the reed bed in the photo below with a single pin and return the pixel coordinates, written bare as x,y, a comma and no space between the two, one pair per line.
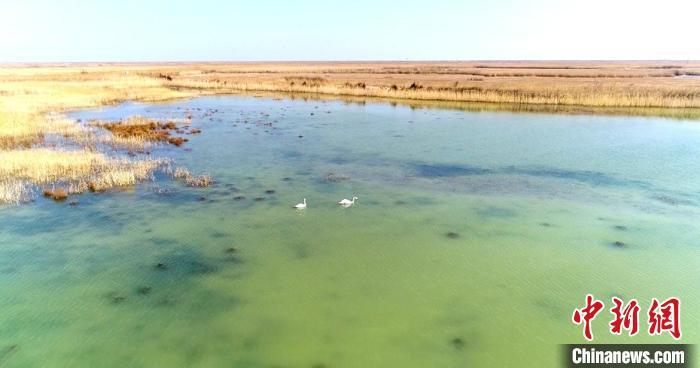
44,165
39,147
72,171
598,96
609,84
13,191
192,180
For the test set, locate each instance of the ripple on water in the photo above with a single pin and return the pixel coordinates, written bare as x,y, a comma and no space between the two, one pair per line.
496,212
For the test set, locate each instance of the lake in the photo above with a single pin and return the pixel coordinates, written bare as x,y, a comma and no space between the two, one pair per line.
474,237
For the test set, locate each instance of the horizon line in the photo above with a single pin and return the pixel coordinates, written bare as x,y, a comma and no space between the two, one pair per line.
141,62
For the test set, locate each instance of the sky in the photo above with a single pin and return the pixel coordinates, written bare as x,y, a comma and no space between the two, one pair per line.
209,30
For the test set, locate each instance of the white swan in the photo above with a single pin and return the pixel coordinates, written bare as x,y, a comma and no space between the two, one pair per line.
300,206
347,202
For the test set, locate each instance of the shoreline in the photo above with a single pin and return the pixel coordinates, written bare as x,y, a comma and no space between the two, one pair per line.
685,113
34,98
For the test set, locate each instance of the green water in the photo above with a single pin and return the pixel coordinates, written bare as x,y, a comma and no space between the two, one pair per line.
531,203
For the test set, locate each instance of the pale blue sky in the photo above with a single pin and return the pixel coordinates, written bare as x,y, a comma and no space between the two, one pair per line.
131,30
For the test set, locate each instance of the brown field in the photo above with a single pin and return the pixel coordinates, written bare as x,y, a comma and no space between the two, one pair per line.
631,84
32,98
611,84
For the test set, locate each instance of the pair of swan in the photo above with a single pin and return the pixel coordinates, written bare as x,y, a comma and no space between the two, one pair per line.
343,202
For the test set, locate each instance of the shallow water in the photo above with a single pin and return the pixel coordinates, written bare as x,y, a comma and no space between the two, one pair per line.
474,238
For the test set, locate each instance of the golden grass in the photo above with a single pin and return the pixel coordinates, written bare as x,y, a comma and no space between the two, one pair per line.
27,95
32,101
621,84
130,144
639,84
43,165
120,175
77,171
22,130
192,180
33,98
12,191
602,84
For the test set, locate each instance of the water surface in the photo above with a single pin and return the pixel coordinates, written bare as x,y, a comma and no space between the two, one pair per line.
474,238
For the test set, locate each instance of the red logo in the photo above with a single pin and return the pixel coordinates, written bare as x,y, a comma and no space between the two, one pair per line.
627,318
587,314
663,316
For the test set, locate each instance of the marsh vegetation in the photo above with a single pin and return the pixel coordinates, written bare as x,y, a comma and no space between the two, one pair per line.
601,84
39,146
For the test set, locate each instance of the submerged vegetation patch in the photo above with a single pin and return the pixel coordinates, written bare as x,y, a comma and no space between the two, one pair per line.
452,235
673,200
496,212
618,244
584,176
335,178
444,170
188,261
7,352
192,180
458,343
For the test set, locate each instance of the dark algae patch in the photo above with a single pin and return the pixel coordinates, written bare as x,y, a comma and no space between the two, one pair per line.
116,297
452,235
188,262
7,352
457,343
336,178
433,170
439,171
219,235
618,244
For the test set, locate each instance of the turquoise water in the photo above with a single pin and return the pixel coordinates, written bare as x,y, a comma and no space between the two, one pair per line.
474,237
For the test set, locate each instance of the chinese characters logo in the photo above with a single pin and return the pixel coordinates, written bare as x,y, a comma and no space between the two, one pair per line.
662,316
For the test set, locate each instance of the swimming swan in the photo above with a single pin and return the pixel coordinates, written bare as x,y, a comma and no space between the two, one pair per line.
301,206
347,202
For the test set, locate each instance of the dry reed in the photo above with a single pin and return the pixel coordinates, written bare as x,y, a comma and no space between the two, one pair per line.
192,180
77,171
32,99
